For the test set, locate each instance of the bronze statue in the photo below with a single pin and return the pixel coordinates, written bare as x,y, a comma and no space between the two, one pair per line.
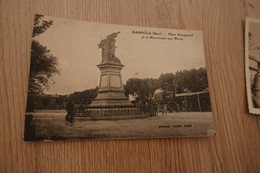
108,49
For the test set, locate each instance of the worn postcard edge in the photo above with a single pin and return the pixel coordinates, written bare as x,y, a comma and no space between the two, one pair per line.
251,109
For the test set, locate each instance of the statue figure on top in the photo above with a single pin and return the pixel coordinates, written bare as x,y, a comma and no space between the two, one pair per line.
108,49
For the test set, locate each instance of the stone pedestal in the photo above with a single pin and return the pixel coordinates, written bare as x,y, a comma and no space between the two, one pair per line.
111,99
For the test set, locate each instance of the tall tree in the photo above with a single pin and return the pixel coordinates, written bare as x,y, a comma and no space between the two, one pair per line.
133,86
192,80
84,97
43,63
167,82
152,85
141,88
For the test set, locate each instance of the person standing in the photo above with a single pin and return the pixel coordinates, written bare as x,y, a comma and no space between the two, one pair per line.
155,108
165,109
177,107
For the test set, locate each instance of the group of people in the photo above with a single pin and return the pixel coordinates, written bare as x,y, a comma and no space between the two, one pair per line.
147,107
152,108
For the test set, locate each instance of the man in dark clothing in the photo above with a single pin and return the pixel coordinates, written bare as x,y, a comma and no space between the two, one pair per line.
155,108
70,109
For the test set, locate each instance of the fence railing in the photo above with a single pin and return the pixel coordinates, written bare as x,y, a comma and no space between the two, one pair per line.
102,112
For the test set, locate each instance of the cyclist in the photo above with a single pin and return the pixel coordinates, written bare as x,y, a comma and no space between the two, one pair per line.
70,109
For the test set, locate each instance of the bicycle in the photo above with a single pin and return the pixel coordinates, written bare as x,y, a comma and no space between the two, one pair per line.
69,120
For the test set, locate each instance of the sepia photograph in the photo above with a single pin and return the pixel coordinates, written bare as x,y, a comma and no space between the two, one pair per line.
95,81
252,61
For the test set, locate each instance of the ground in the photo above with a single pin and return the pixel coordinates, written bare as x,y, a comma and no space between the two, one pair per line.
51,126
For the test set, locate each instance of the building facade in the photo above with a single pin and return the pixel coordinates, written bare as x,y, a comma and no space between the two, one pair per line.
183,102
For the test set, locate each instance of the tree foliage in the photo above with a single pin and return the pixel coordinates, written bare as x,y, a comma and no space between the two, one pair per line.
141,88
43,63
167,82
84,97
192,80
40,26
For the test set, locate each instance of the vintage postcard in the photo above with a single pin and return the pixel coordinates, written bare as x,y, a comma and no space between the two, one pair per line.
104,81
252,64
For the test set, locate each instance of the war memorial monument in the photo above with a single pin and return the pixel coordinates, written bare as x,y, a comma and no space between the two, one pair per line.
111,99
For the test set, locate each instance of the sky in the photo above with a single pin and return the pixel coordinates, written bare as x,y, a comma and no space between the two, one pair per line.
75,42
